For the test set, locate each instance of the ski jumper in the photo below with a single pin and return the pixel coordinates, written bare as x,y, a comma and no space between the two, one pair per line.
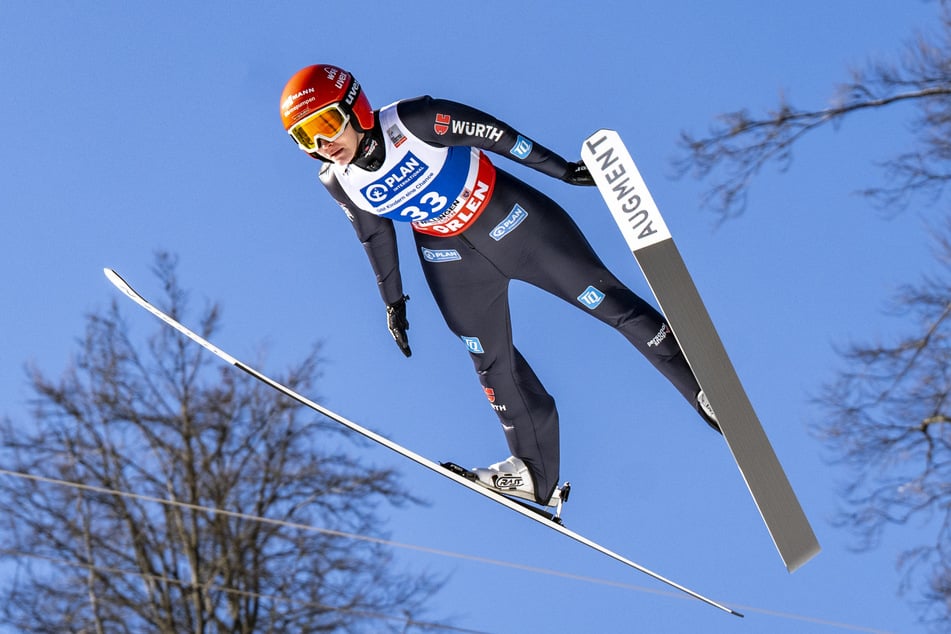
477,228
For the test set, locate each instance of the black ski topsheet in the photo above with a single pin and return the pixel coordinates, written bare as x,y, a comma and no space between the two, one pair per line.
646,233
526,510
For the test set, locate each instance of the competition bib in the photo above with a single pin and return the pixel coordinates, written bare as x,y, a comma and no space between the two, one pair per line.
440,190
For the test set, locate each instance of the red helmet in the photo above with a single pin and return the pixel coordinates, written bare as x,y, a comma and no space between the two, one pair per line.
316,87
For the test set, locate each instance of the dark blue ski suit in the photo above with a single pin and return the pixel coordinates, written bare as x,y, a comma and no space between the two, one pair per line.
477,228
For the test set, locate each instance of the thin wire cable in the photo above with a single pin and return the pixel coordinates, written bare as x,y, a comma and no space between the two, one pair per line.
406,620
417,548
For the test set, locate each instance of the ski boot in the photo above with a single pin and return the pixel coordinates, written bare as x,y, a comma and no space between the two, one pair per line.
511,477
511,480
706,411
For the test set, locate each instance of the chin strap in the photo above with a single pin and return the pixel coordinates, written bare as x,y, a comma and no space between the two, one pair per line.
371,152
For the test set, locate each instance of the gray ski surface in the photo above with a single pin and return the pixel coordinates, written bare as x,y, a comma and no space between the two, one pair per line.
652,245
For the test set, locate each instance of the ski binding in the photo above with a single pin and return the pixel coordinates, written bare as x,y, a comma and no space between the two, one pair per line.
553,516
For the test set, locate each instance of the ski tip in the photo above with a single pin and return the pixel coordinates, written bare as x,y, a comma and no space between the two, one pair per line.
118,282
114,278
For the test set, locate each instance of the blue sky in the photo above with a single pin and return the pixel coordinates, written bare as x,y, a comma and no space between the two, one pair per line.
133,127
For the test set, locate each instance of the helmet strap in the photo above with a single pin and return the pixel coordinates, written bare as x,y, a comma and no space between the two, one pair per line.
371,152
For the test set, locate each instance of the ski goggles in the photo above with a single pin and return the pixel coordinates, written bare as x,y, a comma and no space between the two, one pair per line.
326,124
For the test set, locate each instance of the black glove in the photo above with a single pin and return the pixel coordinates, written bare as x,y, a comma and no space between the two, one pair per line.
396,322
578,174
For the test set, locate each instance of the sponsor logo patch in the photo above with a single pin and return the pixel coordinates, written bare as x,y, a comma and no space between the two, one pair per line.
507,226
522,148
490,394
440,255
508,482
289,102
473,345
591,297
483,130
659,337
396,135
442,124
398,178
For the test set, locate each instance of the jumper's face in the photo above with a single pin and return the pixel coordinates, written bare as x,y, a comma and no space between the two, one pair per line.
343,149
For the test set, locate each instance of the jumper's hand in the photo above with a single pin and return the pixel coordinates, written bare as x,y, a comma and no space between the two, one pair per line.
578,174
398,325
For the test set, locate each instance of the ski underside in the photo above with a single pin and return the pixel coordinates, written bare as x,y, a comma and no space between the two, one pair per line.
646,233
460,475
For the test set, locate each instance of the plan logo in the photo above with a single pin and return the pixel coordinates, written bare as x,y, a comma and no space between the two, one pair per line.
591,297
507,226
522,148
398,178
440,255
473,345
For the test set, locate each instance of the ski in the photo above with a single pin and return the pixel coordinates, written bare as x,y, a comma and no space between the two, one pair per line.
646,233
528,511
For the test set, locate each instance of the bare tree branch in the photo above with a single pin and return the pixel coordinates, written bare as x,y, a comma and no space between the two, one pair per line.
889,422
740,145
161,421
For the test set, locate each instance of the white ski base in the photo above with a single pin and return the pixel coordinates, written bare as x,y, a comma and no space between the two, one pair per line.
123,286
